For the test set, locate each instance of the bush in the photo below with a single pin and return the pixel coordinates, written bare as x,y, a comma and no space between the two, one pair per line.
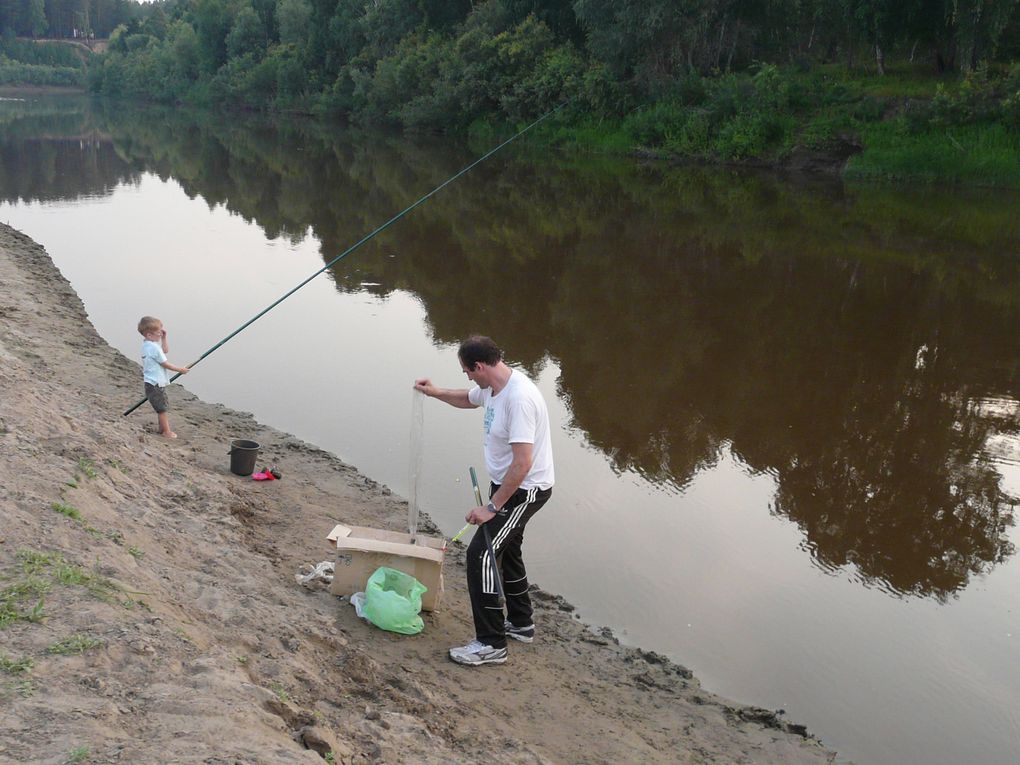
694,137
557,76
15,73
746,135
657,123
869,109
602,93
43,54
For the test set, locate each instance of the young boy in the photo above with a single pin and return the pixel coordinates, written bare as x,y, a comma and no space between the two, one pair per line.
154,370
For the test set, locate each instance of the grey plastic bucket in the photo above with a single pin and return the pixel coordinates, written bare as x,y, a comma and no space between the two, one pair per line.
243,454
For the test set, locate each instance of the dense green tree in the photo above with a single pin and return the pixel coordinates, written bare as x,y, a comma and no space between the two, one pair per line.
36,17
292,18
156,23
184,45
212,24
247,35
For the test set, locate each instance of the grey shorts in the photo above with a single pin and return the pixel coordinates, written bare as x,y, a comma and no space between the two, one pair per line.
157,397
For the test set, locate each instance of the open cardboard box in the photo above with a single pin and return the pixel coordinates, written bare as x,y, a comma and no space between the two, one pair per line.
361,550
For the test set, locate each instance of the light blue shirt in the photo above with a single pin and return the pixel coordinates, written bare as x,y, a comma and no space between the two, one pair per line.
152,364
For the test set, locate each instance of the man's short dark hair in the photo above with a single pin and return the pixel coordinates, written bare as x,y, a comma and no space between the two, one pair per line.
479,348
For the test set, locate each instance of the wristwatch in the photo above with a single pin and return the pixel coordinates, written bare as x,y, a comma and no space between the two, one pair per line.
492,508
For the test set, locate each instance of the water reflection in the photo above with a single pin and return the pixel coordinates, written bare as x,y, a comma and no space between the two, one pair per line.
839,340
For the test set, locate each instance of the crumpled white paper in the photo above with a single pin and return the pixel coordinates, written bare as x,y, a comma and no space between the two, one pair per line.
321,573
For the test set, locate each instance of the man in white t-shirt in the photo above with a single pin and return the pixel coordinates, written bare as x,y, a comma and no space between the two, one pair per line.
518,456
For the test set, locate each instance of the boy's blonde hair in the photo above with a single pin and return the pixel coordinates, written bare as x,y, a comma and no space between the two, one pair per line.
147,324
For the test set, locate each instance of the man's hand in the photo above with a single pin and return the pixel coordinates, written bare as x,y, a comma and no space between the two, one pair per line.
457,397
479,515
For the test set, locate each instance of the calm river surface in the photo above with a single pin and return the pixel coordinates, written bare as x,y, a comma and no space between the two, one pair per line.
786,417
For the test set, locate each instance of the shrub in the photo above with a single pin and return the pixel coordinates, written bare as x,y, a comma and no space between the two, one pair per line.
654,124
694,137
15,73
741,137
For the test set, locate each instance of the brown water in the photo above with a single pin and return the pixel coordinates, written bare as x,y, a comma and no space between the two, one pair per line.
787,420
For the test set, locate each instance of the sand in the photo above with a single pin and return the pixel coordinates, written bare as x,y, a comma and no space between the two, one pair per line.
150,612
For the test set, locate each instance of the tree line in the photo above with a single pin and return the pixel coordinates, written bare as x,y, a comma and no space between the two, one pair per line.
442,62
929,89
73,19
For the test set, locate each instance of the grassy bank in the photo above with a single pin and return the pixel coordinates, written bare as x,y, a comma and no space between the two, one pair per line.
978,155
29,63
907,125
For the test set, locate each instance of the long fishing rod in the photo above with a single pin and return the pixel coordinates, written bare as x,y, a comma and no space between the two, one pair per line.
358,244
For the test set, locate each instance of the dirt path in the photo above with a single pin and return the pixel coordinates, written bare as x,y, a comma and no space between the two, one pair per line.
149,611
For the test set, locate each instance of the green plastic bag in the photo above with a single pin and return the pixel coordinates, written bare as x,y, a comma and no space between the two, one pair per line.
393,601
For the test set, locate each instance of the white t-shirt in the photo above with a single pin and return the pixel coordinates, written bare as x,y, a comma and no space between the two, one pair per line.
516,415
153,370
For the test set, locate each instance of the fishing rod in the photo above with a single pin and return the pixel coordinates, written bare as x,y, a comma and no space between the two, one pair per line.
360,242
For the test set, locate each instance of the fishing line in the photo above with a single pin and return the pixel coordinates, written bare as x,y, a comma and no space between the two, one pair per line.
360,242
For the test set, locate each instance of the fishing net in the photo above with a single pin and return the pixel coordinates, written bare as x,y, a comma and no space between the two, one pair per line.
416,456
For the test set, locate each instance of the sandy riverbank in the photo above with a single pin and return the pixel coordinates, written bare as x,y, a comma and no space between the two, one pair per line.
151,614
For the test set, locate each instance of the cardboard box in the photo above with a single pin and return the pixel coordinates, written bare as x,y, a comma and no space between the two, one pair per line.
361,550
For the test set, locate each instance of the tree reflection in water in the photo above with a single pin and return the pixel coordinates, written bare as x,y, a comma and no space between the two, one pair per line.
834,338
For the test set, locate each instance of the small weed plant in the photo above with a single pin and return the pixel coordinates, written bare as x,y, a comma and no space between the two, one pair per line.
14,666
117,465
64,509
21,687
280,691
38,572
76,643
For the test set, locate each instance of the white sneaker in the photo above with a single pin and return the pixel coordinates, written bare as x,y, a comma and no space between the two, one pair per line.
475,654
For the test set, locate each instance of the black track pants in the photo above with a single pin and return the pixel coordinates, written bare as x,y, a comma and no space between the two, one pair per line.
507,532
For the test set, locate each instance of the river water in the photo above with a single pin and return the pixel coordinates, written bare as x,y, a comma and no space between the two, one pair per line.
786,411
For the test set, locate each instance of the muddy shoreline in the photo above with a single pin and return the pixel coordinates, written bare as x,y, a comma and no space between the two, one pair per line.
151,613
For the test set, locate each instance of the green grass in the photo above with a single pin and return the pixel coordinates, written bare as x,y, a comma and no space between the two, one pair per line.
984,155
76,643
87,467
14,73
901,80
35,562
136,553
37,573
117,464
900,119
14,666
13,601
71,512
280,691
22,687
79,754
598,136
